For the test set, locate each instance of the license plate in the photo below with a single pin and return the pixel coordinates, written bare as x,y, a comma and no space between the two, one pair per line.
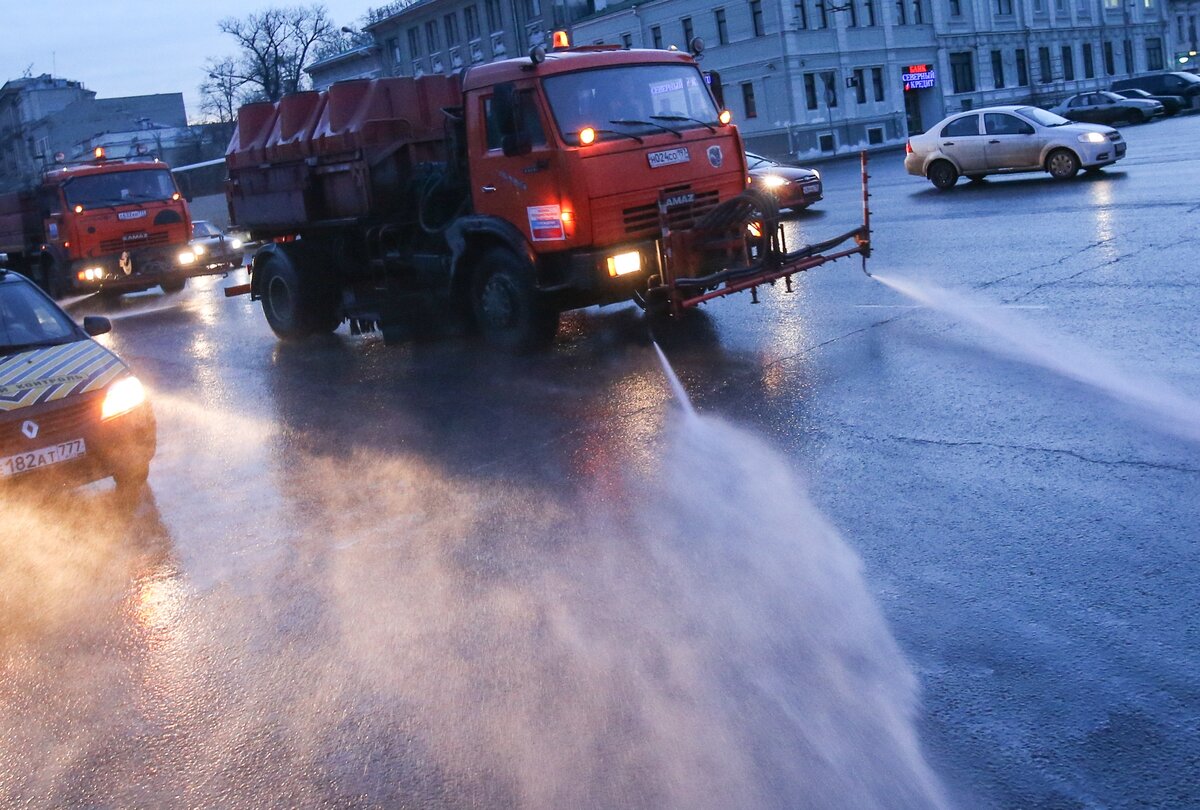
54,454
812,188
668,158
1120,149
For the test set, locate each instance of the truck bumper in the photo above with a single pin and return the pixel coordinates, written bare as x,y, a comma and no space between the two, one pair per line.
137,269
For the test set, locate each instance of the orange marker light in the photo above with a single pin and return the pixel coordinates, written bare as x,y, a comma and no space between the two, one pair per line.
79,209
561,40
725,117
99,153
587,136
567,217
175,196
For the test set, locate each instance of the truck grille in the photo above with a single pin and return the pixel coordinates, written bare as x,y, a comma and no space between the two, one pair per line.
114,245
68,419
642,220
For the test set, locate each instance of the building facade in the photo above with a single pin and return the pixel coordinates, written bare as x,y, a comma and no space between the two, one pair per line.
1184,18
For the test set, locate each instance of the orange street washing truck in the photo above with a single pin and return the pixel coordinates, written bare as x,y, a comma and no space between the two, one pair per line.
112,225
507,194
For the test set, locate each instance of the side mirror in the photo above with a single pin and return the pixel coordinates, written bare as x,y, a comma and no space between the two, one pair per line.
517,144
508,107
96,325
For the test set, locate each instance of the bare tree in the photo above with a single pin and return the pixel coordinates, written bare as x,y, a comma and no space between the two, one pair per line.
275,45
222,92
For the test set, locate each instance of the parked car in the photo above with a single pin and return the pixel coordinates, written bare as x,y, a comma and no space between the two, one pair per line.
215,248
1171,104
70,410
1170,83
996,140
1106,107
793,186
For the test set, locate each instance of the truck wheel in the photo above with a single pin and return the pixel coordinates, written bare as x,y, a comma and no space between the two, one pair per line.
174,285
52,281
294,302
506,306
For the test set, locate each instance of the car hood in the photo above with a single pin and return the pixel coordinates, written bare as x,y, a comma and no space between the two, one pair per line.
55,372
1080,128
786,172
1143,102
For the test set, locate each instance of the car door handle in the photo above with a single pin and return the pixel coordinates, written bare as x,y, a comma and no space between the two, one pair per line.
488,189
994,140
948,143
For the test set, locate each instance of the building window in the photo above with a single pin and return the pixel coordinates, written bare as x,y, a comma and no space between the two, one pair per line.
901,12
1068,60
1045,75
656,37
414,42
829,79
1089,63
451,23
1154,53
810,91
860,86
1110,63
1039,6
756,17
853,9
1112,4
431,35
825,142
748,100
918,12
802,15
877,80
998,69
1060,5
627,40
688,31
869,5
1129,56
962,72
722,28
1004,7
875,135
823,14
1022,68
1150,4
393,44
471,21
495,16
955,8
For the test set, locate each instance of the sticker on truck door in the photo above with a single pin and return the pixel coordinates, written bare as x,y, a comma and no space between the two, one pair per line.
668,158
545,223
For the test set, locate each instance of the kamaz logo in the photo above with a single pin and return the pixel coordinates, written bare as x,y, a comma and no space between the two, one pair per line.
130,237
679,199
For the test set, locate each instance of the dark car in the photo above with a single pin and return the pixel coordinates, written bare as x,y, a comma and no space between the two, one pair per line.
70,410
1171,104
1104,107
213,247
1169,83
793,186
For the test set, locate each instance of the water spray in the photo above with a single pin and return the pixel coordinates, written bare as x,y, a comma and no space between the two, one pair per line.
676,385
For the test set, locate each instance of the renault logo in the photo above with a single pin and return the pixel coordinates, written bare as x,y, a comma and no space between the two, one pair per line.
30,429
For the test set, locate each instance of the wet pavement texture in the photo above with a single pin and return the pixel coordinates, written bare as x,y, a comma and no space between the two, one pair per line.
431,575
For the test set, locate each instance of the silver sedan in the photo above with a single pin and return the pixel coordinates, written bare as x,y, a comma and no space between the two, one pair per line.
996,140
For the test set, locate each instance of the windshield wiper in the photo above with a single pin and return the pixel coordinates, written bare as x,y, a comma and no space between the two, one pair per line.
711,128
634,122
622,134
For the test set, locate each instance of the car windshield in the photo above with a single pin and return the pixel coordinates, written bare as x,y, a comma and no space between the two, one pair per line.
754,161
28,320
119,188
630,100
1043,117
202,228
1112,96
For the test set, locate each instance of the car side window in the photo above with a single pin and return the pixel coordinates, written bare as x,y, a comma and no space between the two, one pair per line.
959,127
1002,124
1079,101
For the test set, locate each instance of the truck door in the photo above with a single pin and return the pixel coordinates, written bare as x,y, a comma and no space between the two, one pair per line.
514,171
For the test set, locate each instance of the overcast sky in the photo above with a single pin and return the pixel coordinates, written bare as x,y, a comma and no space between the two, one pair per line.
130,47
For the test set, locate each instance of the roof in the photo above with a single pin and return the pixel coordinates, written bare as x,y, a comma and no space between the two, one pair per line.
102,167
567,61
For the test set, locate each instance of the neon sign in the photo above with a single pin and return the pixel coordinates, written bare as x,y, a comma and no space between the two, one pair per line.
919,77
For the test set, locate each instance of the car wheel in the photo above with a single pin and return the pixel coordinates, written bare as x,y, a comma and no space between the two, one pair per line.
173,285
295,301
943,175
506,305
1062,164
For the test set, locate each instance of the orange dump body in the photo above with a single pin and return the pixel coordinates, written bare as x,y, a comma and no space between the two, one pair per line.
339,154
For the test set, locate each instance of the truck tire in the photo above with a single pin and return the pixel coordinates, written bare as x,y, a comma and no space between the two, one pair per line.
174,285
294,300
51,279
505,303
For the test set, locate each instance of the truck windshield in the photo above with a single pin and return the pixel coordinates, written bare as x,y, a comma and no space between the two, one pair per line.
119,188
630,100
28,320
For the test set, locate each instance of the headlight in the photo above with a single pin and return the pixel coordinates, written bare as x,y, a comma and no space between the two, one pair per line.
773,181
236,244
816,173
187,257
122,397
1092,137
199,250
624,263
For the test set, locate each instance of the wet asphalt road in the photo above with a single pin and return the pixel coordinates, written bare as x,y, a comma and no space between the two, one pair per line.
413,575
